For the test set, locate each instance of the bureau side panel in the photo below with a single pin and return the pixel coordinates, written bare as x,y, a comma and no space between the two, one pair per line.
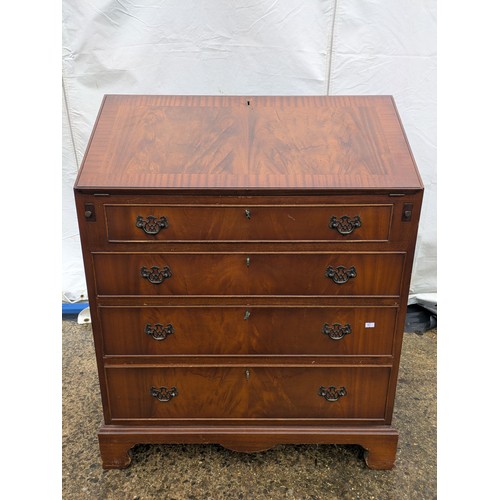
89,232
410,230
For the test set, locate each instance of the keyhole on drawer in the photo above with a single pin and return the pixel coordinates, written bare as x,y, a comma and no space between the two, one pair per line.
248,261
248,214
247,374
247,314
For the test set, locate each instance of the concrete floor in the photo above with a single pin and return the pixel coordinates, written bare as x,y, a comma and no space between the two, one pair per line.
211,472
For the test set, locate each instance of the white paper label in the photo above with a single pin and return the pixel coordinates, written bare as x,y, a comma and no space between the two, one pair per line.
369,325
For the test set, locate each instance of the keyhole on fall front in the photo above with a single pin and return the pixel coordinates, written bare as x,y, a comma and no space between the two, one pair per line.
247,374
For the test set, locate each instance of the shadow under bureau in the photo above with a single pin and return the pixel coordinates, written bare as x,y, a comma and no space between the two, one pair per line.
248,262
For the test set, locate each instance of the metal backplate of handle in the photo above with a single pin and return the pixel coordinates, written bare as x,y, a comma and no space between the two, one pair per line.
332,393
336,331
151,224
163,394
156,275
340,274
158,331
345,224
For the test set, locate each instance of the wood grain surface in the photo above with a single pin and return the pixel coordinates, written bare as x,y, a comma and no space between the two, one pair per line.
256,392
255,330
252,223
246,273
214,142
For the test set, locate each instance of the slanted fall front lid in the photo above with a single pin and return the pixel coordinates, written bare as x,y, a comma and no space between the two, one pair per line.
245,143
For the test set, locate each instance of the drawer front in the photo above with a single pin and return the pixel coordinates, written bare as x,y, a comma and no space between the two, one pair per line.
313,273
247,393
156,223
247,330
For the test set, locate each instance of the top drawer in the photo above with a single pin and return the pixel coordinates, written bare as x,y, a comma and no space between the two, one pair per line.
160,223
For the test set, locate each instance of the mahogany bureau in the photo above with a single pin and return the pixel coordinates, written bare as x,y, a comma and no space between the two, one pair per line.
248,262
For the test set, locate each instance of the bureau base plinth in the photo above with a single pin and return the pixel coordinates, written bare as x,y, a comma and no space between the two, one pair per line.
379,442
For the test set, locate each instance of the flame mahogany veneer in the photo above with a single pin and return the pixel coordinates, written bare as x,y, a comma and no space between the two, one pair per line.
248,262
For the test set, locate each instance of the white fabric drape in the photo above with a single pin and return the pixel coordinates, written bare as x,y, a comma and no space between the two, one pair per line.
228,47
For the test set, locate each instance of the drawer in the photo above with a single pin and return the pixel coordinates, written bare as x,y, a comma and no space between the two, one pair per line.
259,392
156,223
307,273
226,330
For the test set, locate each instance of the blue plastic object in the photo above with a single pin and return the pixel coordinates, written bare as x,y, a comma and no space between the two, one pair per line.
75,308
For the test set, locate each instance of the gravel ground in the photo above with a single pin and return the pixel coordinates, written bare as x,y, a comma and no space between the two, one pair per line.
212,472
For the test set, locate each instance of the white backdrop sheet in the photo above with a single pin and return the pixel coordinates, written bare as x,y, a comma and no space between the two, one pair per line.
228,47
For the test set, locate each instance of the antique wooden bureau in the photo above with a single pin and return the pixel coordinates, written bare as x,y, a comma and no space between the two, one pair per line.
248,262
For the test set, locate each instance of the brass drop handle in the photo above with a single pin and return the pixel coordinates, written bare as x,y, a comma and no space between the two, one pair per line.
336,331
331,393
163,394
340,274
158,331
345,224
247,261
248,214
247,374
151,225
247,314
156,275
